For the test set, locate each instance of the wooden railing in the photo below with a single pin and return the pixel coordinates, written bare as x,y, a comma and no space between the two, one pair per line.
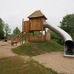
18,39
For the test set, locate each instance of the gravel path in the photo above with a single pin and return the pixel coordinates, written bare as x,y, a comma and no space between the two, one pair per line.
56,61
5,49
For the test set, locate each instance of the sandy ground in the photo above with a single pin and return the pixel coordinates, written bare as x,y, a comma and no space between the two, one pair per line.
5,49
57,61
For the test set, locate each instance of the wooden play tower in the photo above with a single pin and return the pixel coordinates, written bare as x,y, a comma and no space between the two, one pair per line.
33,28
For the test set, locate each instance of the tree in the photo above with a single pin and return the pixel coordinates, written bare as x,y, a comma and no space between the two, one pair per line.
1,29
67,24
16,31
56,37
7,30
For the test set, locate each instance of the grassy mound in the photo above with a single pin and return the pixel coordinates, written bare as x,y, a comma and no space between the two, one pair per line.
16,65
33,49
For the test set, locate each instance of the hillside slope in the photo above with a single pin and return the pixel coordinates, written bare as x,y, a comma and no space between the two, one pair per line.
33,49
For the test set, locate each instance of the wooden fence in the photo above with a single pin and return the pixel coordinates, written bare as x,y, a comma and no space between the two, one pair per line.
36,38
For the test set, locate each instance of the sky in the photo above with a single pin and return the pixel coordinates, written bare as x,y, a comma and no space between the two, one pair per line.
12,11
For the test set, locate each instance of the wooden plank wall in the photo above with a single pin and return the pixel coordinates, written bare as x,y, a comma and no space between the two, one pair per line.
36,24
36,38
26,26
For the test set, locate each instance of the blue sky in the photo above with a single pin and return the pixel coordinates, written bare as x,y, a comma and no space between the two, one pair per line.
12,11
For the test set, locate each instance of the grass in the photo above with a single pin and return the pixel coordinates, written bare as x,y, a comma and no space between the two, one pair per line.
16,65
33,49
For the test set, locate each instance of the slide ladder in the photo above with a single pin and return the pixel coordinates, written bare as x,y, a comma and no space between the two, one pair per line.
20,38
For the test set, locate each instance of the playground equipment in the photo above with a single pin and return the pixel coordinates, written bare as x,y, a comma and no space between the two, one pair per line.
68,41
34,27
37,22
17,39
32,31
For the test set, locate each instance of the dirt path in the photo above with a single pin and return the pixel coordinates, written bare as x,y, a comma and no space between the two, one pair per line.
57,62
5,49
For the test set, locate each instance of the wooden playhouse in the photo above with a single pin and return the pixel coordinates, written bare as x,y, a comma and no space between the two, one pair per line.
33,28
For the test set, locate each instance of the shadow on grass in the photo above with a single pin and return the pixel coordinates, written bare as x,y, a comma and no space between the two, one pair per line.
16,65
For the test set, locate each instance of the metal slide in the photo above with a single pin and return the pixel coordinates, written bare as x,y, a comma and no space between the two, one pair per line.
68,41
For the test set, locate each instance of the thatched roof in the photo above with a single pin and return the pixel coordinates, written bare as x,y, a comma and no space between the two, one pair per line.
37,14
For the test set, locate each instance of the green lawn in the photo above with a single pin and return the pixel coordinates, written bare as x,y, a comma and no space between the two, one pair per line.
33,49
16,65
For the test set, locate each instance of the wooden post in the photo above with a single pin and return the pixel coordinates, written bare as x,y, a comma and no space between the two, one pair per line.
22,29
45,34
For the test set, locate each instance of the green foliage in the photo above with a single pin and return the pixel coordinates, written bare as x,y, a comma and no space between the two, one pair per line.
33,49
16,31
68,24
37,33
1,29
56,37
7,30
16,65
4,29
